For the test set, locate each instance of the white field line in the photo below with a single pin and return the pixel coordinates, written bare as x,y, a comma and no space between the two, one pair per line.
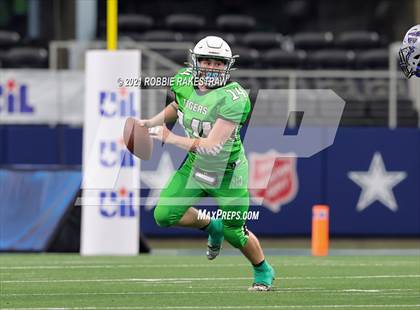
305,289
120,266
107,266
233,307
204,279
383,292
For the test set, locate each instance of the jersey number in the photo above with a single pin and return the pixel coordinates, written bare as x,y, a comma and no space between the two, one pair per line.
196,126
236,93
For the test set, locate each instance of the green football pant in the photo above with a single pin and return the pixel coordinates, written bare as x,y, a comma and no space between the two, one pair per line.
232,197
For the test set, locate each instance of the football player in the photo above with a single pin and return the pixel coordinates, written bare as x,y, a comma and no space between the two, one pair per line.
212,110
410,52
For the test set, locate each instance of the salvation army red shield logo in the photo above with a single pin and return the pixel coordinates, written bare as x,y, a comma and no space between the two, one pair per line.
273,179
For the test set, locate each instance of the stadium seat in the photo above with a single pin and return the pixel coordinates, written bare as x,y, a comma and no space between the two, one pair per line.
235,23
2,56
185,22
8,39
330,59
358,40
377,122
161,36
295,16
178,56
248,83
279,104
408,122
373,59
275,83
405,108
248,57
375,88
313,40
297,9
407,115
188,36
26,57
305,83
262,40
345,88
379,108
355,109
402,88
278,58
355,122
133,23
379,88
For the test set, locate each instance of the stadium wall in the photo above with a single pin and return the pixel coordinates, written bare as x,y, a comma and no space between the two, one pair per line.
369,177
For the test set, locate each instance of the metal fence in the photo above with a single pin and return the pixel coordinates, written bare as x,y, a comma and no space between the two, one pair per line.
390,84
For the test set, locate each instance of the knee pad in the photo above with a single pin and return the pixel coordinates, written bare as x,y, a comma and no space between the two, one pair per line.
164,216
237,236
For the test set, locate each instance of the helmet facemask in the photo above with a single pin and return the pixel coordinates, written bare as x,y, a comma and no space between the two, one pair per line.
210,77
404,54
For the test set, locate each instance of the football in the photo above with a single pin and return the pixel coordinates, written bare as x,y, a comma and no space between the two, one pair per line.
137,139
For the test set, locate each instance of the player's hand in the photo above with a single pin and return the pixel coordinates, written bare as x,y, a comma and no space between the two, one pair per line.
145,123
161,133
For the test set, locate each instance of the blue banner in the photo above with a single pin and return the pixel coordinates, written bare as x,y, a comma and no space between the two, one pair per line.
32,205
370,178
373,181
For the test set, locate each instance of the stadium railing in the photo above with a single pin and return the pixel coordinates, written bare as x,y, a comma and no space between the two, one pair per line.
155,62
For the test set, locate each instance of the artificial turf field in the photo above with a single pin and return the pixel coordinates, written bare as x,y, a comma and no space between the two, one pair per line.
192,282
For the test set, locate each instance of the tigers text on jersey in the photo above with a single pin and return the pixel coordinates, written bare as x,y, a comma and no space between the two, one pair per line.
198,111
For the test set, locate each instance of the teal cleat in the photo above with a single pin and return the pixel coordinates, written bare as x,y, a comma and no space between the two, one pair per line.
263,278
215,239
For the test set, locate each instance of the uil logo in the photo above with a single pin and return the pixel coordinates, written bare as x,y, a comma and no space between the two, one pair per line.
119,103
113,153
14,98
117,203
273,179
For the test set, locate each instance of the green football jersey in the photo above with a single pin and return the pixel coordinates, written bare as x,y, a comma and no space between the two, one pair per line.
198,111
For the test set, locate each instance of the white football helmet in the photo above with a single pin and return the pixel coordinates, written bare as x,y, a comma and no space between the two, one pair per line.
215,48
410,52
